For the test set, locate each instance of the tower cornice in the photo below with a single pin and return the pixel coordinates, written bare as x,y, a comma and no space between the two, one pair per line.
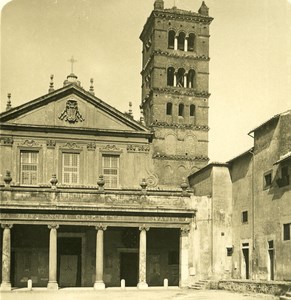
183,55
181,157
179,126
175,14
181,91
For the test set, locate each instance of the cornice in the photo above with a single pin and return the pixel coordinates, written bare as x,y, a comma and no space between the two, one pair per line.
181,91
181,157
184,15
182,55
179,126
75,130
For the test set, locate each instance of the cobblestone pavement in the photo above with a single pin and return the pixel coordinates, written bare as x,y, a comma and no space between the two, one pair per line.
132,294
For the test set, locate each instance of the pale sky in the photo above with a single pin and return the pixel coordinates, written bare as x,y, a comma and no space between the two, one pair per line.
250,50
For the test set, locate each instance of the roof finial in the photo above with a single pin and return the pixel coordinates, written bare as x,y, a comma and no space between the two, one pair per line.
72,61
91,90
130,109
51,87
203,10
8,105
159,4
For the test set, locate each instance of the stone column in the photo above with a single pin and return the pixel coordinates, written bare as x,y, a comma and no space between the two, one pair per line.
186,44
53,284
175,79
184,248
99,283
6,257
142,257
185,80
176,43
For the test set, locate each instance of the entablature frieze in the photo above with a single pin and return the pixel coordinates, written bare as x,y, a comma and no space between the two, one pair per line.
98,221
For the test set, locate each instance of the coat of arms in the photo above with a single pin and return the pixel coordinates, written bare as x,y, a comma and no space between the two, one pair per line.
71,113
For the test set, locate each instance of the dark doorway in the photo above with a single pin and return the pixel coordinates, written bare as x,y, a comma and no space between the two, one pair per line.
271,256
69,261
129,268
246,262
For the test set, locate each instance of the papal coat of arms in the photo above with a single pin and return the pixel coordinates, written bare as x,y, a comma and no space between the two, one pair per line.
71,113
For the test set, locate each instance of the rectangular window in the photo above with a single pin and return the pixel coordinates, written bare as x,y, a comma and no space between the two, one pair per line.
29,167
286,232
110,165
267,180
71,168
284,180
244,216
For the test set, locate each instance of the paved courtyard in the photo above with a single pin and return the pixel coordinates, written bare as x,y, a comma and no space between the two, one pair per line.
132,294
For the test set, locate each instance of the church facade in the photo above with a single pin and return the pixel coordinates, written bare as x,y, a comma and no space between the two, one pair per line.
91,197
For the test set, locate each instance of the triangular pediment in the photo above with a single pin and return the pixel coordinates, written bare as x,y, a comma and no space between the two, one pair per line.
71,107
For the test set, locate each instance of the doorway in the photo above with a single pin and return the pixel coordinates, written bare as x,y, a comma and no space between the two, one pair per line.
246,261
271,260
69,261
129,268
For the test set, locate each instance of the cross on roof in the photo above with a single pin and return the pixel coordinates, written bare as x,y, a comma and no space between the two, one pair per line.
72,61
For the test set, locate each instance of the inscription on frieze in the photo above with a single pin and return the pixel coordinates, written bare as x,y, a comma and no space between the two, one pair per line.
90,218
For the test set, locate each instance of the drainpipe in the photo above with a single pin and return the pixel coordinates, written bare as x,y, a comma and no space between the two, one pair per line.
253,203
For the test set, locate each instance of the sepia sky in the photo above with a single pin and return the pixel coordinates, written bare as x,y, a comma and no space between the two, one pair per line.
250,50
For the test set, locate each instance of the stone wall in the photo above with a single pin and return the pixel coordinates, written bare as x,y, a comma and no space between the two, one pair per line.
274,288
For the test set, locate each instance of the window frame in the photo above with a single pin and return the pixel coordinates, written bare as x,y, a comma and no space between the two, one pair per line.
63,166
286,232
37,180
266,184
245,217
111,155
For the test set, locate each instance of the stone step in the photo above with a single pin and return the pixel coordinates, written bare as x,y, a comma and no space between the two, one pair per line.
285,297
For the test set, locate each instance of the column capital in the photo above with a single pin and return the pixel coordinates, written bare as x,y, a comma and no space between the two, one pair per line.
144,227
185,230
53,226
101,227
6,225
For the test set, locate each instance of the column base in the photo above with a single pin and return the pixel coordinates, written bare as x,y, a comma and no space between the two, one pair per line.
5,286
99,285
142,285
52,285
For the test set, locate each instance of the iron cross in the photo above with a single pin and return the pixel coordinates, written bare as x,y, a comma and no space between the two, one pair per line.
72,61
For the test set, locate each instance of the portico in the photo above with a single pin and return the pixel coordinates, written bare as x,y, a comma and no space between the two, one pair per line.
108,243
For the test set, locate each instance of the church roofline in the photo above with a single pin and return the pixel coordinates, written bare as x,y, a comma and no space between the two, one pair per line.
52,96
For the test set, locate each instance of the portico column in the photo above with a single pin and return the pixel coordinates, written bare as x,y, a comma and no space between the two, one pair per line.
99,283
142,257
53,284
176,43
186,44
6,257
184,248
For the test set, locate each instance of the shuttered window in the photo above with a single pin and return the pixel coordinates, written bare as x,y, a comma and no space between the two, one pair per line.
110,165
29,167
71,168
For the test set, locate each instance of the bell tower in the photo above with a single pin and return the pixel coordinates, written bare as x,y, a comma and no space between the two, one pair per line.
175,94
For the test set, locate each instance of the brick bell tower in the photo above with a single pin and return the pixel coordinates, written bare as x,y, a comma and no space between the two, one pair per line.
175,77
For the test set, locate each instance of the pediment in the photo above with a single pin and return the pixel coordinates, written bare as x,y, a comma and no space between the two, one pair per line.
71,107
